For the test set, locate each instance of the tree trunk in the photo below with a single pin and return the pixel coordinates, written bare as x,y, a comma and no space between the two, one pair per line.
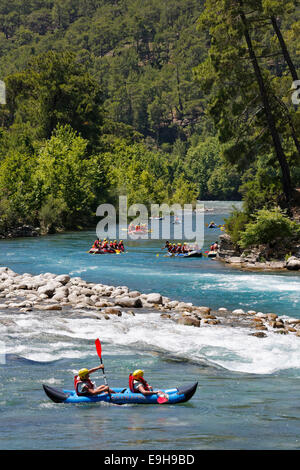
286,177
293,72
285,51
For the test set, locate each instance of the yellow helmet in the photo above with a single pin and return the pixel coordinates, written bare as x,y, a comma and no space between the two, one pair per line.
83,372
138,373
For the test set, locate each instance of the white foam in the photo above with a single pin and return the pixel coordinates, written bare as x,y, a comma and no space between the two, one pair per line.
231,348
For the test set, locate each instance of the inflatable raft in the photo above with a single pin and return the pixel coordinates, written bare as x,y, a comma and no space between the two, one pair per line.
94,251
190,254
123,396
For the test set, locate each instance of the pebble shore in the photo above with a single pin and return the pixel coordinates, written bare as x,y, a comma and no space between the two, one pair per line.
49,292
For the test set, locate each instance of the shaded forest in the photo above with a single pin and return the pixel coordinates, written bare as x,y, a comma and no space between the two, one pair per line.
154,99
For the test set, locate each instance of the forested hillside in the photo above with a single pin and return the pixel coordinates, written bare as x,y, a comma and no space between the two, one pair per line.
134,95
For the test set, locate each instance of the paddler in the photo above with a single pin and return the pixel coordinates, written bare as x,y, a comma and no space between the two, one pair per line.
84,386
185,248
179,248
138,384
104,244
214,246
96,246
173,249
212,225
167,245
121,245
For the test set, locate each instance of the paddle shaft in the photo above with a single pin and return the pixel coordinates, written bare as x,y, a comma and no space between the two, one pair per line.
104,376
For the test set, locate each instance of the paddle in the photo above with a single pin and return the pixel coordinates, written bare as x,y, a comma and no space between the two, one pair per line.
162,399
99,351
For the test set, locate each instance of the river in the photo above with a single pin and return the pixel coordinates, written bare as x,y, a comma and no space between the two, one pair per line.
248,392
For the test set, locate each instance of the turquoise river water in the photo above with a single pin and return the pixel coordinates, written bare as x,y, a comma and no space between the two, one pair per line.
248,393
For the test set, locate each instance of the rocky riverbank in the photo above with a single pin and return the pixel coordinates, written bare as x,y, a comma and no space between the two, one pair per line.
259,258
20,231
49,292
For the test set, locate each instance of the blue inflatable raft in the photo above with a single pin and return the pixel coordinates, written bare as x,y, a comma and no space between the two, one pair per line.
122,396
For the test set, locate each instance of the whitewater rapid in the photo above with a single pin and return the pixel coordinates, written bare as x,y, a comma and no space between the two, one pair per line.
43,337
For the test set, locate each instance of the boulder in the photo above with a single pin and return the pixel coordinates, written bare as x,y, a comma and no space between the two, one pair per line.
227,247
259,334
130,302
154,298
173,304
49,289
63,279
112,311
134,294
234,260
293,263
189,321
202,310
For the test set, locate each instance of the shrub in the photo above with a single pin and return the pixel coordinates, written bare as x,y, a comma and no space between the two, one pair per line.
268,226
235,224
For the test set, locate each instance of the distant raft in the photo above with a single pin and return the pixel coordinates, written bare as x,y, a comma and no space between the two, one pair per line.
123,396
189,254
97,251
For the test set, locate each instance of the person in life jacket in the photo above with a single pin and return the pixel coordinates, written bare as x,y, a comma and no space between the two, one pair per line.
167,245
105,244
96,246
212,225
185,248
173,249
214,246
179,249
120,245
138,384
84,386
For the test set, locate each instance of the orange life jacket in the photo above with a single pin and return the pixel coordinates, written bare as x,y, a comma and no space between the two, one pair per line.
143,382
77,381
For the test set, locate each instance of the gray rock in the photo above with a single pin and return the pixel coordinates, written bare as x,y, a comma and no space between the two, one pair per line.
49,288
63,279
129,302
154,298
293,263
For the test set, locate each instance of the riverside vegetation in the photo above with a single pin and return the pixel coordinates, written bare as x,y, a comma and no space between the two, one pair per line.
164,101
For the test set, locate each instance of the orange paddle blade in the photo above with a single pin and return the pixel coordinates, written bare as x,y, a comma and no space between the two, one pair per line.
98,347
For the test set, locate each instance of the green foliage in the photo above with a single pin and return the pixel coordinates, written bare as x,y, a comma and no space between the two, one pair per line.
145,176
137,97
51,214
64,173
235,224
205,167
267,227
55,89
236,97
